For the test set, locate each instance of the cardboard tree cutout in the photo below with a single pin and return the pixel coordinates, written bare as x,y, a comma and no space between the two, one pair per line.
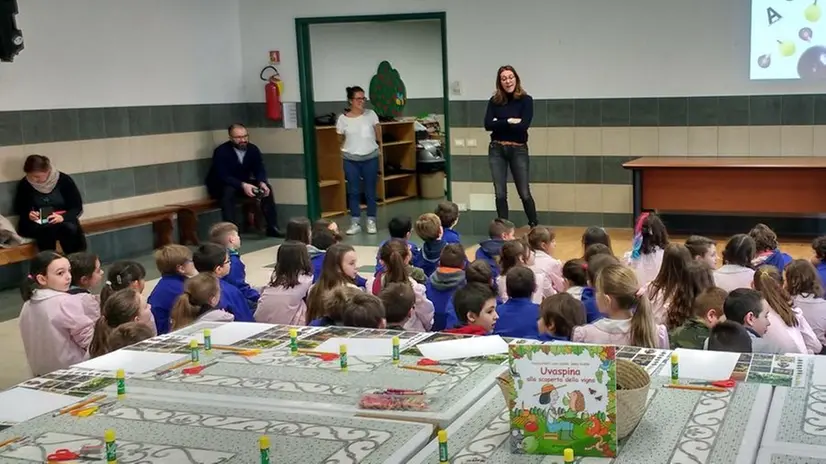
387,92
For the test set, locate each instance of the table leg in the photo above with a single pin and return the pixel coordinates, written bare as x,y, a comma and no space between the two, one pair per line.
637,186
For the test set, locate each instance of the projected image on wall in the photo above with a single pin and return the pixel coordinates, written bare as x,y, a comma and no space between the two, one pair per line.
788,39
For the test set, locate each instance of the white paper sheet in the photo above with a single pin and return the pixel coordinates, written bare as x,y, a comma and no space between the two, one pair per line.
21,404
133,362
819,370
703,365
359,346
231,332
464,348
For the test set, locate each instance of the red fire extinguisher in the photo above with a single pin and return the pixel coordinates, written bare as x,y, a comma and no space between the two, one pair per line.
272,93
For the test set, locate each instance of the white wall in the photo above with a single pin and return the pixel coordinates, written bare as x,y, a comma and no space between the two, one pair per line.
87,53
349,54
562,49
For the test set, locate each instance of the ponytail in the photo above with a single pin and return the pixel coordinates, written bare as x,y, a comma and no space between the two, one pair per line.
769,282
121,275
621,284
643,327
39,265
394,254
195,300
510,255
121,307
183,312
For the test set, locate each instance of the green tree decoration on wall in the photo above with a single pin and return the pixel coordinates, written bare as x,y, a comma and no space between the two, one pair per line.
387,92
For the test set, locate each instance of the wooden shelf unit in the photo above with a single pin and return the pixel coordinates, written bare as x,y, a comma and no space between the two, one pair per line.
397,147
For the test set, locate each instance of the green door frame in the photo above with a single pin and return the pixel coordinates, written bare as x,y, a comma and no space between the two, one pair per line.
307,103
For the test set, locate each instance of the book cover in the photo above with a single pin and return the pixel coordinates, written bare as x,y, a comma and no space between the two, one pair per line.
563,396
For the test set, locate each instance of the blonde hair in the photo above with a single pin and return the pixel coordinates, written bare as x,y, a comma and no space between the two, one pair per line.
620,283
121,307
169,257
198,291
219,233
428,227
769,282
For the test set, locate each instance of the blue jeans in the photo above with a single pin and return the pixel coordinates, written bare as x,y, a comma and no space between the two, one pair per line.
356,172
515,157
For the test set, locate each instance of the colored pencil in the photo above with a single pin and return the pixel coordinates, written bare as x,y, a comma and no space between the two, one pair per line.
173,367
314,352
696,388
10,441
79,405
433,370
234,349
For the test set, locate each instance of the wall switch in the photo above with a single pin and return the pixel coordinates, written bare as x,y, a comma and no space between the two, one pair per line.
462,206
459,142
471,142
455,88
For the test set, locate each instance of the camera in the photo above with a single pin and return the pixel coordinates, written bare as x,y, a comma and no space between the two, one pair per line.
258,193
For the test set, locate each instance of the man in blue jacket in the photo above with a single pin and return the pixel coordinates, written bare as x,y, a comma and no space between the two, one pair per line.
238,169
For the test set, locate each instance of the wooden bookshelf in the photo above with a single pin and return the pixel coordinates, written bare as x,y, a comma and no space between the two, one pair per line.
396,148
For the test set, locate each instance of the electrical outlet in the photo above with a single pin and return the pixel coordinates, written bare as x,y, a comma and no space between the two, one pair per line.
471,142
456,88
459,142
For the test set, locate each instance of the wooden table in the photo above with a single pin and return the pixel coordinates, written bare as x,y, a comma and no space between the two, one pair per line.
779,187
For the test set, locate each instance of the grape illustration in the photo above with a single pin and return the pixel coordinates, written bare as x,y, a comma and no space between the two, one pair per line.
786,48
805,34
764,61
812,63
387,91
812,12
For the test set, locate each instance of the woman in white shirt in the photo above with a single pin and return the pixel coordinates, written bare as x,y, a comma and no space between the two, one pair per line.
359,130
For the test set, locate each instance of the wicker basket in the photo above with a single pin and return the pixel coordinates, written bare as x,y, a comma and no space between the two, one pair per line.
632,396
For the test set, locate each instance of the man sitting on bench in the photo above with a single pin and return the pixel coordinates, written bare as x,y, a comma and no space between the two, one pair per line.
238,169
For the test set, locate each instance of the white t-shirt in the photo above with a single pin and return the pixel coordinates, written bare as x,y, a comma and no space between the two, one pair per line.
359,133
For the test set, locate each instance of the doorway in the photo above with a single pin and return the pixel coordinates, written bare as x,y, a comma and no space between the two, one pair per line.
320,192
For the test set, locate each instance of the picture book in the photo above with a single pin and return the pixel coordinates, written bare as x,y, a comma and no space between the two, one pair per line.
777,370
563,396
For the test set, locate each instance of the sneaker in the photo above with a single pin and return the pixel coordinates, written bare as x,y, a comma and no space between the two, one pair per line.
353,229
371,226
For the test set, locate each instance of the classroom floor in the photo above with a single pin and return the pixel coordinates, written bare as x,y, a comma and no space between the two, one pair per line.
259,256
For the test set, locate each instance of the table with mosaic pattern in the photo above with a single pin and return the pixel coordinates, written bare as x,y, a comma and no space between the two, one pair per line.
679,426
796,425
171,432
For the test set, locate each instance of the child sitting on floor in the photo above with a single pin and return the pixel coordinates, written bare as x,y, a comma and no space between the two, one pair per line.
283,300
298,230
650,240
398,300
516,253
542,241
429,228
363,310
766,248
499,232
589,294
174,262
558,315
702,249
736,271
819,258
518,315
226,235
129,334
443,284
199,302
55,329
731,337
400,228
595,236
340,269
745,306
448,213
395,255
803,284
127,275
707,312
121,307
787,329
214,259
576,277
628,319
475,305
86,275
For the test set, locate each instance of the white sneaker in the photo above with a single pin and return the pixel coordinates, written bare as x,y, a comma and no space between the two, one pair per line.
353,229
371,226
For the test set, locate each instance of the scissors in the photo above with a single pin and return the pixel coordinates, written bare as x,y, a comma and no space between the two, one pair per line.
62,455
730,383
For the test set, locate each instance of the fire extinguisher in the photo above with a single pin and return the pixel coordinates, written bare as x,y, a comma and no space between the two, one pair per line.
272,93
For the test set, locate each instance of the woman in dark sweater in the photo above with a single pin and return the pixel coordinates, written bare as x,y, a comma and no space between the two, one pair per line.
48,205
508,118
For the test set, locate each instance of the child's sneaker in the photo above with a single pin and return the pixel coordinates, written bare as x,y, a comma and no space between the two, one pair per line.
354,228
371,226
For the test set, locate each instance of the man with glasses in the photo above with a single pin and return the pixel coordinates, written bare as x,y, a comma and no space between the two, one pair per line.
238,169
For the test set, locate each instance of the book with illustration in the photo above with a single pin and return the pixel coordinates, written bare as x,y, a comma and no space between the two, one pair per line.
563,396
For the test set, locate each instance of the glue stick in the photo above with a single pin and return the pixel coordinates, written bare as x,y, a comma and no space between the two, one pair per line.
294,342
342,355
194,356
264,446
675,368
111,447
207,340
568,455
121,377
396,343
443,457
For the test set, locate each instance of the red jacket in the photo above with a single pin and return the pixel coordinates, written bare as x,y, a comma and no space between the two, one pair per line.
470,329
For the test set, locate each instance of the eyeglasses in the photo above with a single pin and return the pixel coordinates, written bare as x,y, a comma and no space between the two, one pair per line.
240,137
360,99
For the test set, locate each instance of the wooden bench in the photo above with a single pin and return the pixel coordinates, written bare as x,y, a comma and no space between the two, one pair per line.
728,187
17,254
188,218
161,219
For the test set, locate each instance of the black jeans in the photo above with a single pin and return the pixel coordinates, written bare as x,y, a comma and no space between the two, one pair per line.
516,157
230,196
68,233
